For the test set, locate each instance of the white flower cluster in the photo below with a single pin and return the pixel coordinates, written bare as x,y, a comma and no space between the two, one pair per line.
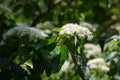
20,31
75,29
98,64
92,50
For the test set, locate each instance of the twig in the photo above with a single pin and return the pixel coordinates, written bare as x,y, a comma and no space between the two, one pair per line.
49,8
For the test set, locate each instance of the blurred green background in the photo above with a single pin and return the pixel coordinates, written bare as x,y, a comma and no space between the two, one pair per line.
102,17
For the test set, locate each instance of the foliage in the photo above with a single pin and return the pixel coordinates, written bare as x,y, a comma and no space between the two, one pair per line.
32,46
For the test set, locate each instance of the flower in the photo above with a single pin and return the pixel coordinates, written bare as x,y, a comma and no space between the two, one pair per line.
65,66
21,31
92,50
99,64
75,29
91,27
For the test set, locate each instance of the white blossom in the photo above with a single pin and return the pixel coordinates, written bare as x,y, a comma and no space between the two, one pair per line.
105,68
92,50
75,29
37,33
65,66
92,27
98,64
20,31
48,25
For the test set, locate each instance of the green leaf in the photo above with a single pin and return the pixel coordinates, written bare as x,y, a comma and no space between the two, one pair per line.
82,17
112,45
7,53
112,55
17,7
55,52
40,45
24,53
18,72
8,47
58,60
38,66
6,59
35,76
51,40
63,54
45,62
56,30
55,64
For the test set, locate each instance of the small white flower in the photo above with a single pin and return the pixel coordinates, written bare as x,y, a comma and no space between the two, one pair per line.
75,29
98,64
96,61
18,31
37,33
92,50
88,25
65,66
48,25
105,68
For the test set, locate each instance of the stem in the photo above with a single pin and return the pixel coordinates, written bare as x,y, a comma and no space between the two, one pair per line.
79,60
47,10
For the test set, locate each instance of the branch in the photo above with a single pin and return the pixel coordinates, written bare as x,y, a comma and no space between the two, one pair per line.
49,8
